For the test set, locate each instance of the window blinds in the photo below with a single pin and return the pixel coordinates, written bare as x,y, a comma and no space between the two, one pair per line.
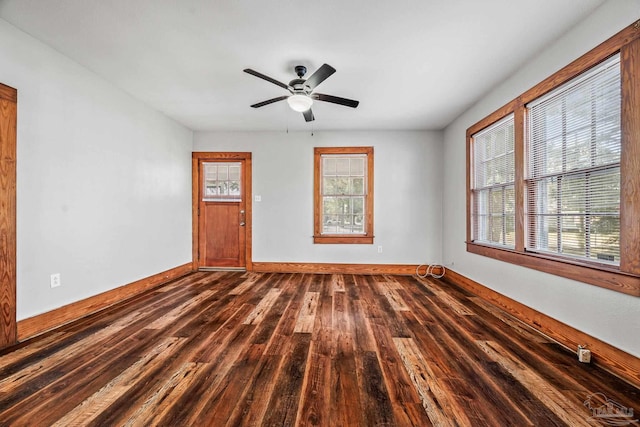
573,179
493,186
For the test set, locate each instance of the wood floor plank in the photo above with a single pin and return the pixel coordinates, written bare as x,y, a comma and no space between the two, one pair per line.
550,397
436,401
395,300
178,312
283,405
252,349
161,401
314,408
101,400
265,331
293,294
261,310
307,316
345,398
376,404
90,371
450,342
337,282
380,310
217,364
248,283
514,325
250,411
447,299
221,405
10,383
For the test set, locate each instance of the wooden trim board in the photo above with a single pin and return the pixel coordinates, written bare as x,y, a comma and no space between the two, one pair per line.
8,160
614,360
38,324
328,268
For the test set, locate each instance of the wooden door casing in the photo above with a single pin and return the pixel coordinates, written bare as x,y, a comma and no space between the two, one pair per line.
8,121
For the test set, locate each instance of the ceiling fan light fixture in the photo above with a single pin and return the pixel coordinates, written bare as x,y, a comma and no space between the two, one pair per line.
299,102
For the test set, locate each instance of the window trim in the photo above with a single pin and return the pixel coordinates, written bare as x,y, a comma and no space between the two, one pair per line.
626,277
320,238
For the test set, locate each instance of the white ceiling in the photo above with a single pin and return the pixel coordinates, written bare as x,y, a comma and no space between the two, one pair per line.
412,64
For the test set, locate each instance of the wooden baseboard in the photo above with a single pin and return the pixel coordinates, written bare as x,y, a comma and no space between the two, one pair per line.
36,325
328,268
614,360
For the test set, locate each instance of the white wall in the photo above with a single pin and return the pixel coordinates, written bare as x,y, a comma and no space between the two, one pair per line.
608,315
407,194
103,186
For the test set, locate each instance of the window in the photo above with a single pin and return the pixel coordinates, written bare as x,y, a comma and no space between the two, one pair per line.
573,182
553,179
493,193
343,185
221,181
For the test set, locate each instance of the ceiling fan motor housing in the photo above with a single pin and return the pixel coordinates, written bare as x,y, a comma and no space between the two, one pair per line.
298,86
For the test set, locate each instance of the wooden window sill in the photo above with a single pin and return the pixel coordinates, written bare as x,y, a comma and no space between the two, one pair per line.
343,239
609,277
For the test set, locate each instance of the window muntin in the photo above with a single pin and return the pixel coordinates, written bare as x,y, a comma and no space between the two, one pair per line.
573,180
222,181
493,191
343,193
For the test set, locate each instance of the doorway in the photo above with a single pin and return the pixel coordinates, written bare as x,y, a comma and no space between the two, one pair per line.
222,210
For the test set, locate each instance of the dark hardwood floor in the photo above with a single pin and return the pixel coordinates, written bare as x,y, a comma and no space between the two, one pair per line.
231,348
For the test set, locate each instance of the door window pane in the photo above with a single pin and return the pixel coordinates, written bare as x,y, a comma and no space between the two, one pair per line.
222,181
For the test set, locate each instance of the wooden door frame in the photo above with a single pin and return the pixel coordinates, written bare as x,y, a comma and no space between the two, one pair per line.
8,257
196,158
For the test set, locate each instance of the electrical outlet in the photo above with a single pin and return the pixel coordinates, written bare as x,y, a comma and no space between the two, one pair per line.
55,280
257,198
379,249
584,355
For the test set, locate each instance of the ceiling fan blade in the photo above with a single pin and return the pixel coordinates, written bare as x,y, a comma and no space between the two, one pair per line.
267,78
319,76
308,115
269,101
335,99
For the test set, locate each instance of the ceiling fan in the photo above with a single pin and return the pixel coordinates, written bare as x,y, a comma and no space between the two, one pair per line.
301,90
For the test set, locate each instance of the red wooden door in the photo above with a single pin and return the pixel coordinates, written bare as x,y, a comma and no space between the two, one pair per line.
222,213
223,238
